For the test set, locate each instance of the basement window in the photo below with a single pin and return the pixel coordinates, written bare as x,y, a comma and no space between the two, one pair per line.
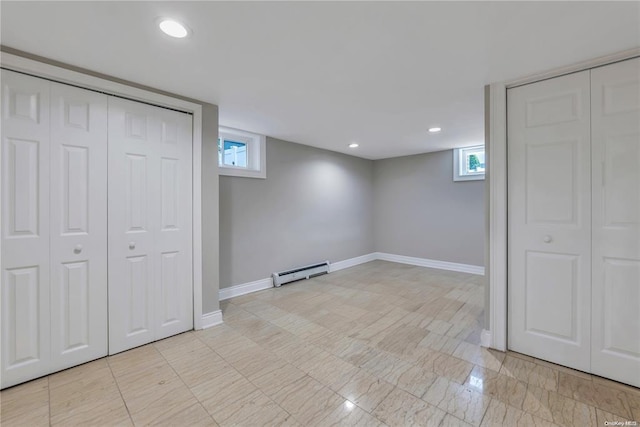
468,163
241,153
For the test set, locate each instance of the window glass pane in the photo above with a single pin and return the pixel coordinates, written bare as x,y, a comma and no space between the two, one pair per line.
473,161
232,153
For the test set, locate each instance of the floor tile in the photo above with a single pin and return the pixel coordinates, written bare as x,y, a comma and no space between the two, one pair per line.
487,358
274,381
253,409
107,410
500,387
530,373
501,414
400,408
451,421
349,415
606,398
366,390
192,416
308,400
553,407
25,404
331,371
446,366
460,401
222,392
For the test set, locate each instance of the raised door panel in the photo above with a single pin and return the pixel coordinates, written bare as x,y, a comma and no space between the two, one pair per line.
620,325
551,176
549,274
73,306
616,221
22,320
549,202
139,290
133,182
136,196
25,228
23,182
78,225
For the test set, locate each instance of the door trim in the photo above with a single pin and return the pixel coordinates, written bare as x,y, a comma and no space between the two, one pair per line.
86,81
496,178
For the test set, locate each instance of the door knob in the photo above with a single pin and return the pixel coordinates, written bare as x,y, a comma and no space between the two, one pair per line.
547,239
132,245
77,249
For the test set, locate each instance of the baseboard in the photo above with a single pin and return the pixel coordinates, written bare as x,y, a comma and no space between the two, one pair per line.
352,262
485,338
431,263
211,319
245,288
259,285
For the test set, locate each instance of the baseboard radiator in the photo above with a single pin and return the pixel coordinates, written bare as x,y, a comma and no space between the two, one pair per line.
280,278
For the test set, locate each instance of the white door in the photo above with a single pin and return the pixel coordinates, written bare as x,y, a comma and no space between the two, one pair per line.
550,220
25,228
78,190
616,221
150,202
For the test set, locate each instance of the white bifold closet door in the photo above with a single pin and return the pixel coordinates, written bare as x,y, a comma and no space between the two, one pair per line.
150,224
574,220
550,220
78,166
54,254
615,118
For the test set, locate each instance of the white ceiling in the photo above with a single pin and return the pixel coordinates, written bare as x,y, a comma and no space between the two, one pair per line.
329,73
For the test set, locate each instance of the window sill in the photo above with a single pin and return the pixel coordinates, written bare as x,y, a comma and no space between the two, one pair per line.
241,172
468,177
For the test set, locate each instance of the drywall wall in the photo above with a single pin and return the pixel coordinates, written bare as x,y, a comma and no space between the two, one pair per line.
419,211
210,211
487,200
314,205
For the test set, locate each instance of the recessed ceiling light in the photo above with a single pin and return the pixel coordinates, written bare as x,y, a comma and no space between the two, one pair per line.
354,145
433,130
173,28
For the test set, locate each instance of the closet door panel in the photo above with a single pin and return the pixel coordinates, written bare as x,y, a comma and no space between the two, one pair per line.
25,228
150,204
78,225
616,221
133,165
550,220
174,300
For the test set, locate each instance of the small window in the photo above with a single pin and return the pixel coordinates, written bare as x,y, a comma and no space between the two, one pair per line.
232,153
241,153
468,163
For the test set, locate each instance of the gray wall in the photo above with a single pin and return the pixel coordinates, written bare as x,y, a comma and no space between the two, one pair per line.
210,212
419,211
315,205
487,200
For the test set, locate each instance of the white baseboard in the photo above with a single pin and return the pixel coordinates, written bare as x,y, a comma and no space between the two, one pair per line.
351,262
211,319
245,288
432,263
258,285
485,338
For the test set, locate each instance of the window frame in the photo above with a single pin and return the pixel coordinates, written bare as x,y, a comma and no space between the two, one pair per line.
460,172
256,153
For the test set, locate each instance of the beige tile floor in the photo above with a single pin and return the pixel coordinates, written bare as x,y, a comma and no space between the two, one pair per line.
377,344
